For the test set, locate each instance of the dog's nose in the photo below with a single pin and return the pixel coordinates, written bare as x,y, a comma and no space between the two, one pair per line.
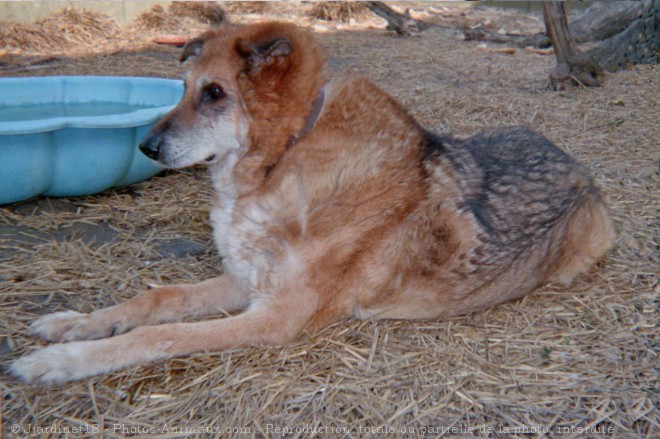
151,146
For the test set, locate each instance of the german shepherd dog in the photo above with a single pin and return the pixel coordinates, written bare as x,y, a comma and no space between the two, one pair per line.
330,202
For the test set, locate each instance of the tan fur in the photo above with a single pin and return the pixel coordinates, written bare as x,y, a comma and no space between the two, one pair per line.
358,212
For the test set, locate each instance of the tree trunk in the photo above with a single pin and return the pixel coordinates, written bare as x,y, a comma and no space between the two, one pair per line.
605,19
401,24
628,30
639,43
572,65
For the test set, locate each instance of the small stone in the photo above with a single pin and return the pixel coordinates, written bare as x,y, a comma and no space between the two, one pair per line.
180,248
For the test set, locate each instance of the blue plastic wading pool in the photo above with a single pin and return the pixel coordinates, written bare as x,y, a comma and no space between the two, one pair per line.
77,135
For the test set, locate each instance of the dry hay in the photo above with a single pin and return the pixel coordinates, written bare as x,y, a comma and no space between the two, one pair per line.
70,28
560,359
157,18
342,12
210,13
251,7
173,19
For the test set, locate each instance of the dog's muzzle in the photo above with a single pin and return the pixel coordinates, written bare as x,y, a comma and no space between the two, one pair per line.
151,146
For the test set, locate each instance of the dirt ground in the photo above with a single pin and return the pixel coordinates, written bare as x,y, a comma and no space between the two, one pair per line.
580,361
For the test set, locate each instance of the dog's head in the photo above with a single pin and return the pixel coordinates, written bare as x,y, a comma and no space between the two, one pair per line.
248,91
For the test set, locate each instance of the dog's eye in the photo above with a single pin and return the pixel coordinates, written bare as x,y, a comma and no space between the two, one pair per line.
213,92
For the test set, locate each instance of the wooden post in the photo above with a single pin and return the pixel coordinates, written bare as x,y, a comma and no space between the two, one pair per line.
401,24
573,67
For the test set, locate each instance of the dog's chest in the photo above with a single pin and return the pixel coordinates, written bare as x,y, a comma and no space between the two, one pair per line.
239,240
248,250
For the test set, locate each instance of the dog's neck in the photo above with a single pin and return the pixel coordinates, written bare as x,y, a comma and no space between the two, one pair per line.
317,106
254,168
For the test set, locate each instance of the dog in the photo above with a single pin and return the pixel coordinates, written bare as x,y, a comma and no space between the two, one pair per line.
331,201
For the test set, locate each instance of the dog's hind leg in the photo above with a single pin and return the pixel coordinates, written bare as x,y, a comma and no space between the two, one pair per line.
161,304
590,234
274,320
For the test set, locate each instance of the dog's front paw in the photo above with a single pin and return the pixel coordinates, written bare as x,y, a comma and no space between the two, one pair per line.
67,326
55,364
58,326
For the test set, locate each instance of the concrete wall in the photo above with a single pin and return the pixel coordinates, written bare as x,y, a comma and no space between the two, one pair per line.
27,11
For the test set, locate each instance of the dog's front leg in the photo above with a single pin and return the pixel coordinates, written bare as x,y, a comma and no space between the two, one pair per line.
162,304
274,320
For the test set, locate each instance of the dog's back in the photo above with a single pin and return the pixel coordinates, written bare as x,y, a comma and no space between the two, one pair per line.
516,184
535,211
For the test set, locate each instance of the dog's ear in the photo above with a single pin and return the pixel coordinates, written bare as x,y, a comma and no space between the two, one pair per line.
193,48
263,53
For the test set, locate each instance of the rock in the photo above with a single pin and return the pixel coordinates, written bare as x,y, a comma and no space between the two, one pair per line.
180,248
